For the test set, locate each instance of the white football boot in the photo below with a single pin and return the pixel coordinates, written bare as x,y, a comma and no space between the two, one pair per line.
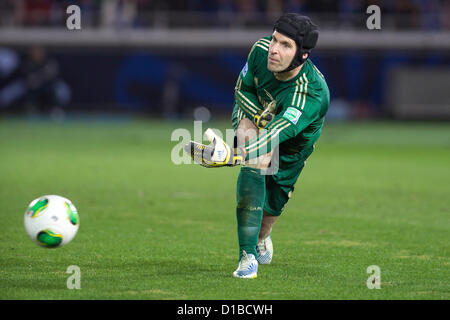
247,268
265,250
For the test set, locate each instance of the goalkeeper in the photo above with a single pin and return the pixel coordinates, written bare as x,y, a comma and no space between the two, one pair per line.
281,99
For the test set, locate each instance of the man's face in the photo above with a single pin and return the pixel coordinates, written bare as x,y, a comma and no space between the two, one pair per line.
282,50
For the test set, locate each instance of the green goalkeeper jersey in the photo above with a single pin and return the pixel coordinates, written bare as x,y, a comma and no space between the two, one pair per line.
301,103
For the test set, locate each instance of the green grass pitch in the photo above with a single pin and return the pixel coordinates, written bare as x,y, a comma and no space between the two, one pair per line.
370,194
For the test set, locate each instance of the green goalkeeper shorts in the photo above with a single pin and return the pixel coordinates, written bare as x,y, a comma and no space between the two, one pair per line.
279,186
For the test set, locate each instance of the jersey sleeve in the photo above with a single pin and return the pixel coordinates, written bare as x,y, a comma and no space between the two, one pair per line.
298,112
245,91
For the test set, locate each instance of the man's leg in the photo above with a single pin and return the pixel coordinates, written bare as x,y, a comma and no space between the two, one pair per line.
264,248
279,189
250,195
249,210
267,223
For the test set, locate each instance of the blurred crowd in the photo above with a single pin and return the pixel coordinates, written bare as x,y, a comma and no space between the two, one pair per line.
31,83
396,14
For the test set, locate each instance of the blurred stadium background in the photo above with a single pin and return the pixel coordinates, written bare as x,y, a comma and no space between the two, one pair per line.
88,114
168,58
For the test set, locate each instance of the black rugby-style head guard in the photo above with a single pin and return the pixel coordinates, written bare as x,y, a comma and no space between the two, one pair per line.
300,29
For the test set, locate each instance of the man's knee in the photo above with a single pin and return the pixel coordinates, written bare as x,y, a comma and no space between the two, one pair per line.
247,131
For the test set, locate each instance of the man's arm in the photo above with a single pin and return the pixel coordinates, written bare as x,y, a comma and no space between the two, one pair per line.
246,98
245,91
286,125
303,108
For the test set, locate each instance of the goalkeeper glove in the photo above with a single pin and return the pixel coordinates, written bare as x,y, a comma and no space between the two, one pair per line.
261,120
217,154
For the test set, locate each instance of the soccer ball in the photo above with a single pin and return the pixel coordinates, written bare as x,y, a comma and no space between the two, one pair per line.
51,221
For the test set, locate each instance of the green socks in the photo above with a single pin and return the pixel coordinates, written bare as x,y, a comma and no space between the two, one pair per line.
250,200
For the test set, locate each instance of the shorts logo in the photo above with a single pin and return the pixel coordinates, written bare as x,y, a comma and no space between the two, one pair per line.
244,69
292,115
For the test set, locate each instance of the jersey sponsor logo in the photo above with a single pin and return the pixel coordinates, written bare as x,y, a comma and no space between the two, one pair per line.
244,69
292,115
